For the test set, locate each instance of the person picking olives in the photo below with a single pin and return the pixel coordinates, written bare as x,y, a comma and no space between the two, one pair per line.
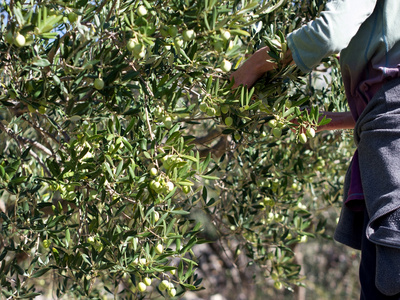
365,33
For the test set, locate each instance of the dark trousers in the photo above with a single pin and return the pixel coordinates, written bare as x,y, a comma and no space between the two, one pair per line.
368,270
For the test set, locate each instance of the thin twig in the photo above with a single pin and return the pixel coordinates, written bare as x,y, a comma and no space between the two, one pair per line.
148,123
42,131
25,140
35,156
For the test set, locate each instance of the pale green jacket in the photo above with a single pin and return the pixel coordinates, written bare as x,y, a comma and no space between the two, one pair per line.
366,33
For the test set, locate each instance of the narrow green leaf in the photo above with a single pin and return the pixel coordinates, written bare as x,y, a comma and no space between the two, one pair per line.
108,169
189,245
2,172
119,168
41,62
130,126
19,16
179,212
324,121
242,91
193,159
239,32
289,112
127,144
206,21
209,84
49,23
40,272
67,236
209,177
214,18
272,8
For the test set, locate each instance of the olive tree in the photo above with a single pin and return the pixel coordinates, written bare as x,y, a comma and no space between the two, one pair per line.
124,146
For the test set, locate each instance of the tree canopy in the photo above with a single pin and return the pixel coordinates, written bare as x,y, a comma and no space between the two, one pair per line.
124,146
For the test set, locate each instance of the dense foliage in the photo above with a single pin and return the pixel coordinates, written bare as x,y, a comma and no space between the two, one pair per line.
123,145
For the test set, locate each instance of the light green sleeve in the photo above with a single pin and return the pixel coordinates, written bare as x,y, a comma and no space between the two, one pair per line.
329,33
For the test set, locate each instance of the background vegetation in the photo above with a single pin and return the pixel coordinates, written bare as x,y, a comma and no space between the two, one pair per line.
130,168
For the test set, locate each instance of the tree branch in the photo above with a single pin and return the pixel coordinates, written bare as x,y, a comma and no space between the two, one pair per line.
25,140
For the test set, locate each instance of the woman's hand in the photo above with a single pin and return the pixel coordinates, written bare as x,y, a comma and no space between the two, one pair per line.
253,68
256,66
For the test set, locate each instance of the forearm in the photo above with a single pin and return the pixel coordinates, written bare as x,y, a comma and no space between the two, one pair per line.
339,120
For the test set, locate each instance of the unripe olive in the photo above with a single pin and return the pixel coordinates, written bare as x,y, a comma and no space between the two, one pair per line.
188,35
98,84
226,65
29,86
142,11
156,216
302,138
172,292
272,123
228,121
142,261
274,275
72,17
203,106
147,281
278,285
158,112
186,189
131,44
19,40
46,243
159,249
169,186
224,109
211,111
277,132
155,185
237,136
142,287
42,109
163,285
303,239
178,42
217,110
168,122
226,35
139,51
153,171
164,30
138,48
310,132
268,201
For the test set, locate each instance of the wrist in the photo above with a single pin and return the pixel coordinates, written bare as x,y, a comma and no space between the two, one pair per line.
288,58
